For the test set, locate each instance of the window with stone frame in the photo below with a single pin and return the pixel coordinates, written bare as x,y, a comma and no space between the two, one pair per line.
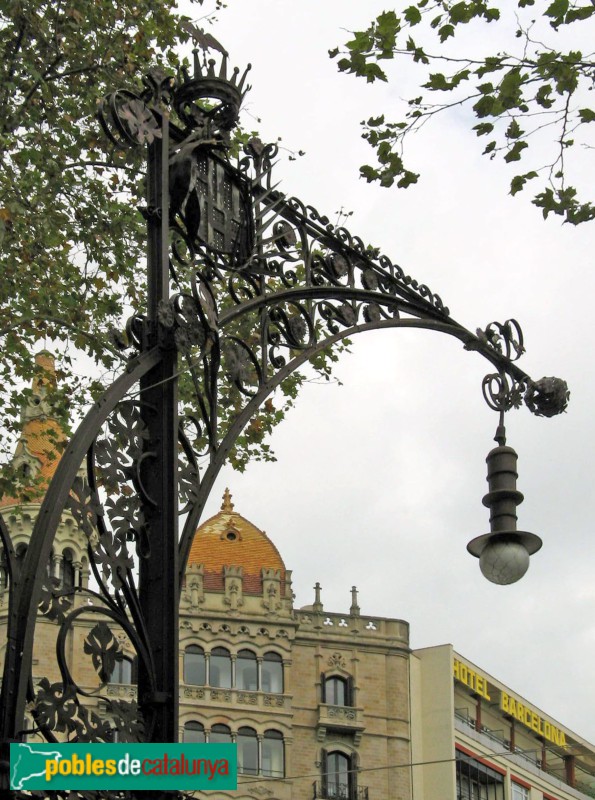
220,668
220,734
273,755
247,742
338,775
247,671
194,732
124,671
272,673
336,690
195,666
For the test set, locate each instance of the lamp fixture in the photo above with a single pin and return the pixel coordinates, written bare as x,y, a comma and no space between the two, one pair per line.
504,552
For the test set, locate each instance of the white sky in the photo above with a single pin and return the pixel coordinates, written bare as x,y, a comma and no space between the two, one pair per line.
379,482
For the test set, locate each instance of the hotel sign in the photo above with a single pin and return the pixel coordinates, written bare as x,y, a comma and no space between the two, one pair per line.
508,704
476,682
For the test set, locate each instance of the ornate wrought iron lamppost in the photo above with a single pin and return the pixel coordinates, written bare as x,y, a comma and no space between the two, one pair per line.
245,285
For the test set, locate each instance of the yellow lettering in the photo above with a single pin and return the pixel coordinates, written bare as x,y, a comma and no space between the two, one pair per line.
98,766
51,769
535,720
463,673
110,767
516,709
456,667
482,688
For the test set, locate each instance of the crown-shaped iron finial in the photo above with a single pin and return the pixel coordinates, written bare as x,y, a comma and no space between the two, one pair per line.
221,94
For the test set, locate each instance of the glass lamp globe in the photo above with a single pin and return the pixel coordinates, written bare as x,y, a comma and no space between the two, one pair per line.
504,561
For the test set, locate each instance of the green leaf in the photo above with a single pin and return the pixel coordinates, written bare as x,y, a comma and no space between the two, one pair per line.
483,128
514,130
408,179
445,32
586,114
576,14
361,43
412,15
556,11
460,13
515,152
484,106
438,82
518,182
369,173
373,72
491,64
543,98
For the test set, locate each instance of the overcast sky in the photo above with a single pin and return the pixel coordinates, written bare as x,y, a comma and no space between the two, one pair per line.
379,482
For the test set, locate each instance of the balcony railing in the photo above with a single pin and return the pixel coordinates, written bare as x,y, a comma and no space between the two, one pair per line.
334,792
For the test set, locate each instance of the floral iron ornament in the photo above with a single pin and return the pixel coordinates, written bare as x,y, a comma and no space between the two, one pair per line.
245,285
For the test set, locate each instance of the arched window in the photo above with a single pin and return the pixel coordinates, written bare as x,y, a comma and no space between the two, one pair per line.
247,751
195,668
336,691
67,570
194,732
247,671
220,734
272,673
220,668
122,671
273,755
337,776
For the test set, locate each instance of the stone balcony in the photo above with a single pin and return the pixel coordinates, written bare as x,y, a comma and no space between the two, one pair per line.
210,695
345,719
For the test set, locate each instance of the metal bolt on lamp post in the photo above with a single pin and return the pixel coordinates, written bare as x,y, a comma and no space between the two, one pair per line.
245,285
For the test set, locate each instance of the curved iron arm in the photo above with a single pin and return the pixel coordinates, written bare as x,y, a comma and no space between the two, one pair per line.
449,327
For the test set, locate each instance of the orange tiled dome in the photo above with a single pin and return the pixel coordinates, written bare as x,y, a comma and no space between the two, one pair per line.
228,539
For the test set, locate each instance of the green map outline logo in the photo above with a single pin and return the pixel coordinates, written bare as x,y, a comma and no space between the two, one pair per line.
122,766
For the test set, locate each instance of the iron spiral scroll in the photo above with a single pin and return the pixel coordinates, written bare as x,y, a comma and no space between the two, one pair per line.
246,286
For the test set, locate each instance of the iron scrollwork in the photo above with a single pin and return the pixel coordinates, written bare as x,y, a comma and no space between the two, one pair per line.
259,284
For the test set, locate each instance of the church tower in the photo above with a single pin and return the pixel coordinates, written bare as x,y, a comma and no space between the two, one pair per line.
35,460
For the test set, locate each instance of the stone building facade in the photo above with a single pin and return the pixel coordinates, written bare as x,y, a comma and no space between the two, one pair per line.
321,704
